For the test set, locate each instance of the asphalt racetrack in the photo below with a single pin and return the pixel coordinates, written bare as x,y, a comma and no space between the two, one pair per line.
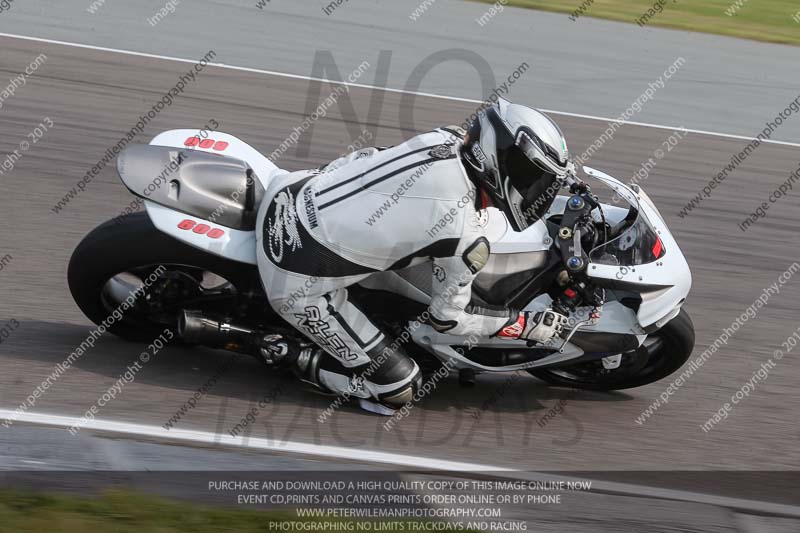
93,97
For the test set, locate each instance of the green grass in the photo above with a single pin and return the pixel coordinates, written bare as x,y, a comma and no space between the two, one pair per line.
762,20
126,512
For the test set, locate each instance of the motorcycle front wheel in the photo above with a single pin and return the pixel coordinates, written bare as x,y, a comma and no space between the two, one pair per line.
664,352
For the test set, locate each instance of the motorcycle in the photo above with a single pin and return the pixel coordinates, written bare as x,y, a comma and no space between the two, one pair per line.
615,270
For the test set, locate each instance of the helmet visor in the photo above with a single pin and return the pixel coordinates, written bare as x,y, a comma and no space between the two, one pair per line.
535,179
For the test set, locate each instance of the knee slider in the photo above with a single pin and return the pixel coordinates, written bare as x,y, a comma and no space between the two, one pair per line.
404,395
399,399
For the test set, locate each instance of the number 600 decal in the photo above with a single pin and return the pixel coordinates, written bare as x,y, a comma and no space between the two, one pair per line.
201,229
219,146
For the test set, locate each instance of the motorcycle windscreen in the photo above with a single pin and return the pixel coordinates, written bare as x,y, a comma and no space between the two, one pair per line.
635,241
637,244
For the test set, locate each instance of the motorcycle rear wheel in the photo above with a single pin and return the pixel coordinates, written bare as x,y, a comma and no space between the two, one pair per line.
669,348
114,258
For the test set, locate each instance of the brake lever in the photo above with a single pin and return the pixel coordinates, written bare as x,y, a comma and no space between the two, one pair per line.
594,315
572,332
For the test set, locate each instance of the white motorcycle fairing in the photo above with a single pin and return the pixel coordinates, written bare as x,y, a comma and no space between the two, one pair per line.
233,244
512,253
671,271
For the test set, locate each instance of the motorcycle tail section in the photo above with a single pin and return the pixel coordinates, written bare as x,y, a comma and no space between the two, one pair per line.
202,191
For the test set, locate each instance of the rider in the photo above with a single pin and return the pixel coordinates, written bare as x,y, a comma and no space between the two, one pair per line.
317,238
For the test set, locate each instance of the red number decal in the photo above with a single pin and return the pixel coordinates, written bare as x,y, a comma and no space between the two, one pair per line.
219,146
201,229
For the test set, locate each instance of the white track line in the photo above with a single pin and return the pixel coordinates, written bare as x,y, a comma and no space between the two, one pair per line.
387,89
386,458
205,437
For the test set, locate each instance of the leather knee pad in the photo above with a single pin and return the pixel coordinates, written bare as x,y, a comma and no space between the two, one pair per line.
389,366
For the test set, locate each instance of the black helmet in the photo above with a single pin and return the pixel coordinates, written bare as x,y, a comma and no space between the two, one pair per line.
519,157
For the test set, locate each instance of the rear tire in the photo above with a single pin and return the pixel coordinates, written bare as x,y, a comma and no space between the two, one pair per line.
677,343
116,247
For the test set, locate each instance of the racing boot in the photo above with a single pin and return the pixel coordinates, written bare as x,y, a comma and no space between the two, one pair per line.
372,386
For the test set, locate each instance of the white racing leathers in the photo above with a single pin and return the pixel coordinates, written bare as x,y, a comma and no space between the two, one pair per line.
372,211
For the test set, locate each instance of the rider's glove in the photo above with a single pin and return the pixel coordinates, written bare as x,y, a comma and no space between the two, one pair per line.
538,327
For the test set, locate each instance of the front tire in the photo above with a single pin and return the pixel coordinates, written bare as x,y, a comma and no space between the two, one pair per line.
135,245
675,342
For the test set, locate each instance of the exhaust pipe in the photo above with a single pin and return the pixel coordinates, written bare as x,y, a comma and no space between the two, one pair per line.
196,328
